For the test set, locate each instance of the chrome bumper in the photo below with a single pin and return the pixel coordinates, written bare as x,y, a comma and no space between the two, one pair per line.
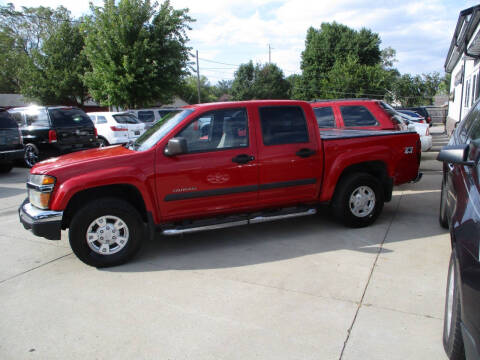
44,223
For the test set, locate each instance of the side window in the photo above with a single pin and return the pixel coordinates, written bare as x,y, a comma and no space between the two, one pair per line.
474,82
357,115
101,119
18,117
325,118
146,116
217,130
37,118
283,125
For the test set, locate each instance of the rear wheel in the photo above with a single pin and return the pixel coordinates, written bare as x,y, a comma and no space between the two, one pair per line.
442,214
452,332
106,232
358,200
31,155
102,142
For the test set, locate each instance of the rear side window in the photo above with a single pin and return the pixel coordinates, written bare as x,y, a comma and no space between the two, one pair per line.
125,119
283,125
6,121
65,117
146,116
325,118
162,113
101,119
18,117
357,115
36,118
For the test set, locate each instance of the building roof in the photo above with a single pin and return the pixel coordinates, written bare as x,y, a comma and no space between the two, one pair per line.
467,24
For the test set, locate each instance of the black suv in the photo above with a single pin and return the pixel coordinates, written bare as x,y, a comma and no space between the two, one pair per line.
460,212
420,110
53,130
11,146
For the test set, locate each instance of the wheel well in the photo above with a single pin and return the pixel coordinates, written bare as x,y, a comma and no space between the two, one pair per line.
378,169
125,192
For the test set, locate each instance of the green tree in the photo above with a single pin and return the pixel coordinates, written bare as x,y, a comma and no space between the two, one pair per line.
223,90
340,61
21,34
54,72
260,82
188,90
138,54
417,90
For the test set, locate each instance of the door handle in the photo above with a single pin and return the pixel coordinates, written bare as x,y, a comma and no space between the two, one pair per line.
304,153
243,158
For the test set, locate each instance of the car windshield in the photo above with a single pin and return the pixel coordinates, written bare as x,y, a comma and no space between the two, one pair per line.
64,117
158,131
126,119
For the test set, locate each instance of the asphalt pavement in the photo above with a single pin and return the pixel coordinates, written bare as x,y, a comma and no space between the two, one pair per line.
305,288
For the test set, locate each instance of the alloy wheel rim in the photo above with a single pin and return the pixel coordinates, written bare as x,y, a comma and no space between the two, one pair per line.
362,201
107,235
31,157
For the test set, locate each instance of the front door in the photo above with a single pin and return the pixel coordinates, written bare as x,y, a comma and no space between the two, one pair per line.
218,174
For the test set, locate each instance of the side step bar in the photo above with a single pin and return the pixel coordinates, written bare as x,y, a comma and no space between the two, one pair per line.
248,220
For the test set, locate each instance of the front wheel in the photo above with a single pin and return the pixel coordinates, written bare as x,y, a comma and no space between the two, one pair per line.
452,332
358,200
106,232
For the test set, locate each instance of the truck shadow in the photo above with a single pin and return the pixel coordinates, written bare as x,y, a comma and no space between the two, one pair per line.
406,218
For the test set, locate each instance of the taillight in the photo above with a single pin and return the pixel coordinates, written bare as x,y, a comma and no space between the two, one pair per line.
95,132
419,151
52,136
427,132
116,128
429,119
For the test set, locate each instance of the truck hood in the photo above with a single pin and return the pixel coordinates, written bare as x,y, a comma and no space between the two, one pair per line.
85,156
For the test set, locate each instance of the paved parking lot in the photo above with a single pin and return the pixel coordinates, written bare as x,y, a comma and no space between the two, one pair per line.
305,288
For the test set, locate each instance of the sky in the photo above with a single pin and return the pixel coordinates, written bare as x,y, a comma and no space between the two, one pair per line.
227,33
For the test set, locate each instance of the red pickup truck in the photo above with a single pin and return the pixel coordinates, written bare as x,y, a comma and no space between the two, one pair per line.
212,166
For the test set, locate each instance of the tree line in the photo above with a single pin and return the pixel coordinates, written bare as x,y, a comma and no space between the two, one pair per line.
132,53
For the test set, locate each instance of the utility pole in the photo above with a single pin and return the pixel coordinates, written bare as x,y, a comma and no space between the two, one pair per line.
269,54
198,80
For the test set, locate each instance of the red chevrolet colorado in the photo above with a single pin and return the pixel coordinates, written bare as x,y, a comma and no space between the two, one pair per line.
212,166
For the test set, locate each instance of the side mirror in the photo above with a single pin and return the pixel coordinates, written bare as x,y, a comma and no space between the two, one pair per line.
176,146
455,154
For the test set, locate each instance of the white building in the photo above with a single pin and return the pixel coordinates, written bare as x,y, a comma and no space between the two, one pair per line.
463,63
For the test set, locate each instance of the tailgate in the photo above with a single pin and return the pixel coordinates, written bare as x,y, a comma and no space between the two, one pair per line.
73,127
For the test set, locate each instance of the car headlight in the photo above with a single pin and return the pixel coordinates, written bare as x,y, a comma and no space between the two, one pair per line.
40,188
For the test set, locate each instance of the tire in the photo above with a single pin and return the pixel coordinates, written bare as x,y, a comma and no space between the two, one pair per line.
442,212
32,155
102,142
129,228
5,168
452,332
358,200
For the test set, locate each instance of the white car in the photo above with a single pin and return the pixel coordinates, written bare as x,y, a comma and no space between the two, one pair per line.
150,116
116,127
422,129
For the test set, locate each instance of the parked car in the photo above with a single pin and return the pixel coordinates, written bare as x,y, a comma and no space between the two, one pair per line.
11,143
413,115
150,116
364,114
260,161
53,130
421,128
422,111
367,114
116,127
460,212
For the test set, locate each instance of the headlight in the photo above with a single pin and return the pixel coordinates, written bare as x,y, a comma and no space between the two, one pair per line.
40,188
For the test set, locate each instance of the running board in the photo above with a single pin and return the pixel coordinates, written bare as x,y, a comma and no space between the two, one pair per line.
254,220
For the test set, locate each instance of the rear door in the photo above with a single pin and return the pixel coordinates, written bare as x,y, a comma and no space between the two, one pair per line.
74,128
290,164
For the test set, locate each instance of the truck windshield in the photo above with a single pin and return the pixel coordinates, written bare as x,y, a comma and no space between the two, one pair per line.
159,130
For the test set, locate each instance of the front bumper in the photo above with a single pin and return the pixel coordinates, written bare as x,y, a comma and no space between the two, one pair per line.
43,223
